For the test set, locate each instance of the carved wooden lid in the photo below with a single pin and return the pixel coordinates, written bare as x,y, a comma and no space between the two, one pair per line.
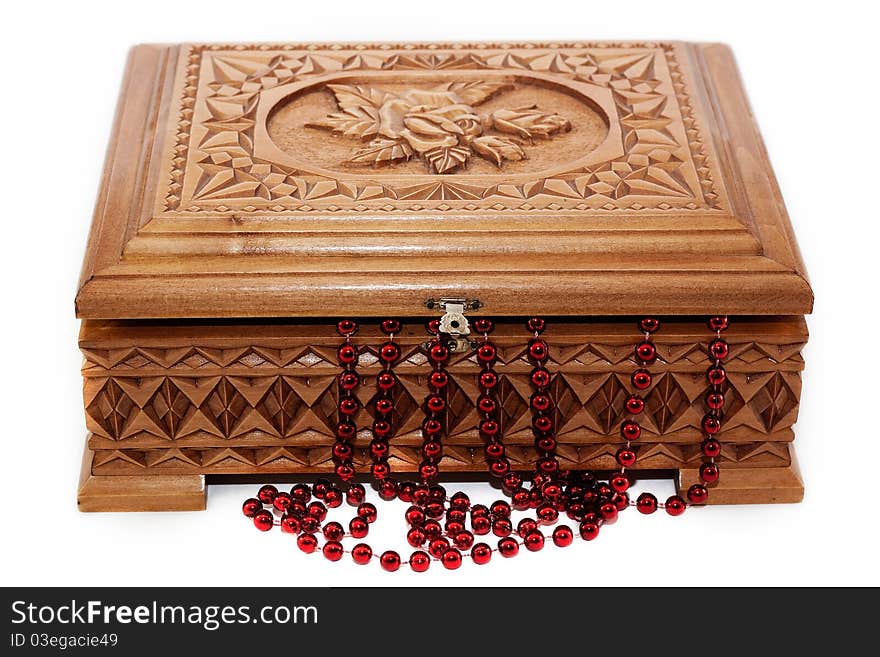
327,180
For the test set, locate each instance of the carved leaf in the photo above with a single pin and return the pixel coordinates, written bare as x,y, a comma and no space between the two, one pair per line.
447,158
358,122
476,92
529,122
498,149
383,151
351,96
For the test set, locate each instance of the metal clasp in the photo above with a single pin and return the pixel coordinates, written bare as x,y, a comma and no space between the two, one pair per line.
454,326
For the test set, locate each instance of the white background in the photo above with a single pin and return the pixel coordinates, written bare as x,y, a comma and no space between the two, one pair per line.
811,71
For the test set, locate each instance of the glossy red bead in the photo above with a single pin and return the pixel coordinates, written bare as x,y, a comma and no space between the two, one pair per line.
716,375
383,406
719,349
711,424
646,352
307,543
453,528
626,457
711,448
540,377
348,381
390,561
438,546
649,324
333,498
460,501
641,379
367,511
386,381
534,541
709,473
545,443
635,404
536,324
438,353
562,536
540,402
698,494
508,547
405,491
486,352
542,423
379,448
463,540
609,512
251,506
347,354
332,550
267,494
420,494
264,520
538,350
358,527
481,554
355,494
416,537
451,559
499,467
502,527
489,427
619,482
621,501
342,451
589,530
319,488
390,326
488,379
309,524
646,503
435,404
290,524
346,327
715,400
282,501
719,323
548,465
380,470
437,493
361,554
547,514
348,406
333,531
526,526
675,506
630,430
500,509
438,379
432,449
346,430
481,525
483,325
551,491
419,561
478,510
433,326
494,450
432,529
486,405
317,510
389,352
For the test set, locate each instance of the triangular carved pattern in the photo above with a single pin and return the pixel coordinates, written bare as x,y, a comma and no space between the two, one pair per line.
652,166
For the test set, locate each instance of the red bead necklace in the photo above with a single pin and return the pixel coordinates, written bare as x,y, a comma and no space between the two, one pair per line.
438,523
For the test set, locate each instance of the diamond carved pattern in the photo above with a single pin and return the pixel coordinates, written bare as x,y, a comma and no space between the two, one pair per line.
224,406
606,405
111,408
666,402
281,406
774,401
169,407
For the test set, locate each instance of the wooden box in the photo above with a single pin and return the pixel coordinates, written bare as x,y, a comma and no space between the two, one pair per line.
256,194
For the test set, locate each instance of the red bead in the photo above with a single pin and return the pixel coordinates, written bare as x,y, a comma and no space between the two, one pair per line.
386,381
348,381
540,378
463,540
348,405
379,448
342,451
548,465
435,403
715,400
536,324
630,430
698,494
486,404
367,511
709,473
508,547
621,501
547,514
478,510
494,450
432,426
307,543
388,490
355,494
438,379
251,506
481,525
542,423
384,406
538,350
711,448
589,530
390,561
609,512
488,379
646,352
419,561
380,469
635,404
451,559
301,493
434,509
526,526
460,501
361,554
486,352
282,501
433,326
545,443
626,457
319,488
489,427
716,375
290,524
405,491
347,327
358,527
719,349
646,503
500,509
416,537
263,520
502,527
389,352
332,550
551,491
347,354
333,498
499,467
438,352
534,541
309,524
346,430
333,531
432,529
483,325
453,528
317,510
641,379
437,547
481,554
267,494
432,449
711,424
675,506
719,323
619,482
390,326
562,536
649,324
540,402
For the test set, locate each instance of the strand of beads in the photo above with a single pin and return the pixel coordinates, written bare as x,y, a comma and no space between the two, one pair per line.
383,406
348,382
487,404
435,407
540,402
716,376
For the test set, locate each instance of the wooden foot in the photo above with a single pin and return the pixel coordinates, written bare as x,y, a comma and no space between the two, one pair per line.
751,485
139,493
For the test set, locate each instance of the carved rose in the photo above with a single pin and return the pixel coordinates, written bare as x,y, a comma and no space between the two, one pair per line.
440,125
